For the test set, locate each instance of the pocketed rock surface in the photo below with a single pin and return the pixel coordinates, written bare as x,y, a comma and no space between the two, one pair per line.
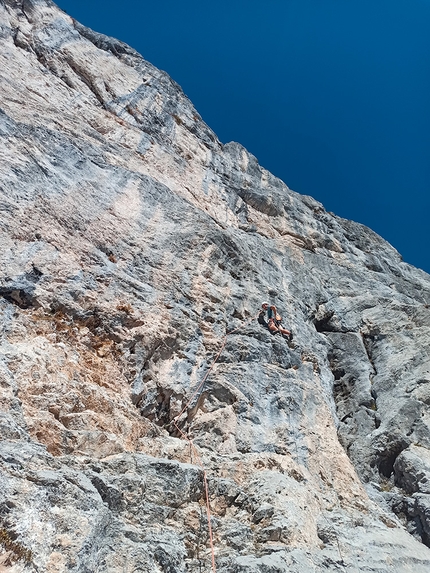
132,241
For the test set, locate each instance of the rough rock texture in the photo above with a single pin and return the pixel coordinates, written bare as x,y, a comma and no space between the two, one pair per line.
132,241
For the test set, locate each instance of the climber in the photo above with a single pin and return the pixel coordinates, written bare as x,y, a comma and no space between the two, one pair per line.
274,323
262,319
274,320
262,314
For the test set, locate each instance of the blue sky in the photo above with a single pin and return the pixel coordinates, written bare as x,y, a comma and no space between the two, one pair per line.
332,96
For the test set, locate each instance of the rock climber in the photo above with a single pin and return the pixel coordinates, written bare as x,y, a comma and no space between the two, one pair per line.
274,322
262,314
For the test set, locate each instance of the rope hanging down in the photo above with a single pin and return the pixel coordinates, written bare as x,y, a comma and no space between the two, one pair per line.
193,449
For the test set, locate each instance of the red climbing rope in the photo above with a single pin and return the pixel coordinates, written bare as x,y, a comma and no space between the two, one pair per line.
189,440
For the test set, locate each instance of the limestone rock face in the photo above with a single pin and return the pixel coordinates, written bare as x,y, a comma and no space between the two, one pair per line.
132,241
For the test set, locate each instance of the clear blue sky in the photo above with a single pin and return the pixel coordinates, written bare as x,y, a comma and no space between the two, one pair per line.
332,96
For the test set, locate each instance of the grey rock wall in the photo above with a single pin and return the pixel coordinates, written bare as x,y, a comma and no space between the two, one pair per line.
132,241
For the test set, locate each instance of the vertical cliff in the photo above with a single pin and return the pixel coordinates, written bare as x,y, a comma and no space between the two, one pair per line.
132,241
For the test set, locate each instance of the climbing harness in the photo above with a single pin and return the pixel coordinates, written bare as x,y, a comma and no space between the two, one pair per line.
175,420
